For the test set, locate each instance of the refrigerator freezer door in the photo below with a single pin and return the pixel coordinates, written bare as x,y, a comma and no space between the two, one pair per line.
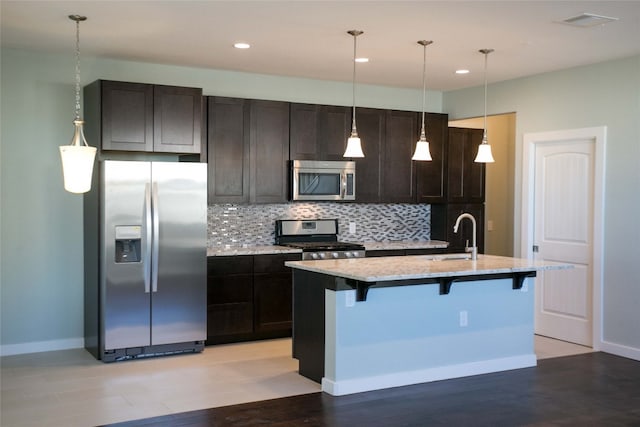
178,297
124,300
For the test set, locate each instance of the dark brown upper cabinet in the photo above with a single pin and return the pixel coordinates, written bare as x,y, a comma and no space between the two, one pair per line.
387,174
398,173
248,150
466,178
228,149
269,149
318,132
431,178
144,117
371,129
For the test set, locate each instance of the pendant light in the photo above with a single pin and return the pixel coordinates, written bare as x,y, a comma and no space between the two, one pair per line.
422,146
77,157
484,150
354,145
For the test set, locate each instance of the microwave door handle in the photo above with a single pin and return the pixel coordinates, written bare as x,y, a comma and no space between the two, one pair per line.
343,190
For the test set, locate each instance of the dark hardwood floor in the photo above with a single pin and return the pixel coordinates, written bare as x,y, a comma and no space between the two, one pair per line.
595,389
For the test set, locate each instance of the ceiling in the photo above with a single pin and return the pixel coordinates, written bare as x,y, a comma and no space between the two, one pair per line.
309,39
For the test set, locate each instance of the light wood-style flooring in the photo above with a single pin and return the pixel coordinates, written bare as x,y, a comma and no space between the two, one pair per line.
71,388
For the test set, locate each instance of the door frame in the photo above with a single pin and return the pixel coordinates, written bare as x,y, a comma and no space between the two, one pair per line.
530,141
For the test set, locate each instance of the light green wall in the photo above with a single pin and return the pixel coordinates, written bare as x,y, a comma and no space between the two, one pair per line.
606,94
40,224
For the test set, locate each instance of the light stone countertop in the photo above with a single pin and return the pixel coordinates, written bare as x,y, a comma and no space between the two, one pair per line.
275,249
251,250
420,267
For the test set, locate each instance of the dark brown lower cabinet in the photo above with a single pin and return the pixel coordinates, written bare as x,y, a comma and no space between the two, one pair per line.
443,218
248,298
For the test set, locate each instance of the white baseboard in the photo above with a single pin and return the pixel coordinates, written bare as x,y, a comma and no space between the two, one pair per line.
40,346
357,385
620,350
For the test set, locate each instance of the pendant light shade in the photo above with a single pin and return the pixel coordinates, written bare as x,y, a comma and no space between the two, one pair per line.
422,146
78,156
484,150
354,145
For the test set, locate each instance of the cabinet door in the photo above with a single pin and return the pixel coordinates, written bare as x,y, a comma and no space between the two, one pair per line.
228,150
431,177
465,177
318,132
303,131
335,127
398,171
127,116
273,292
371,129
229,297
176,121
269,139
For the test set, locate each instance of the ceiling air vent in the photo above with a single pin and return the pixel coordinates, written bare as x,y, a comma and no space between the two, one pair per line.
585,20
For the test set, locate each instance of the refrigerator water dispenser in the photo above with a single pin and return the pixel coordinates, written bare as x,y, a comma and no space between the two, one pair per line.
128,243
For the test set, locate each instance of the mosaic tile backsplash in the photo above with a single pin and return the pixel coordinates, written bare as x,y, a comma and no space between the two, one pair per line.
254,225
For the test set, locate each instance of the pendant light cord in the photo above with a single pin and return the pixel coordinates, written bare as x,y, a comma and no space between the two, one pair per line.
78,69
424,87
486,55
354,131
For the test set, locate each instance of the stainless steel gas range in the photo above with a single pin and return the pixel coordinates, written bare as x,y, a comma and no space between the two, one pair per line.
318,239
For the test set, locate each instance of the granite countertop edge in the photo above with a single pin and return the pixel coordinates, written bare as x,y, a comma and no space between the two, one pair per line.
421,267
369,246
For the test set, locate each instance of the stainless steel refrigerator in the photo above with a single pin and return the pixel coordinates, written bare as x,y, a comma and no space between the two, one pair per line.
145,229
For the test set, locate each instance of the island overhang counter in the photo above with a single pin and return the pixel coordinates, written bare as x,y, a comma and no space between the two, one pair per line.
370,323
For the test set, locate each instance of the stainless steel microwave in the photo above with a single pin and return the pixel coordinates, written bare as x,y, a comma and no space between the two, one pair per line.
323,180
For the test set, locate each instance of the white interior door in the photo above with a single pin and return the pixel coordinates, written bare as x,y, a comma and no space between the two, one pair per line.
563,232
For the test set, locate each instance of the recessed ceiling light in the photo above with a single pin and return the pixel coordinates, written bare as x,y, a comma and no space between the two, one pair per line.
241,45
462,71
588,20
362,59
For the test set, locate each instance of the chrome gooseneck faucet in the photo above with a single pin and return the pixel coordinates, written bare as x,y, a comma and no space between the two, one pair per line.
473,249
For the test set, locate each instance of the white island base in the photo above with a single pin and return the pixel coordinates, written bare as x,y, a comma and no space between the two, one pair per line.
402,331
411,334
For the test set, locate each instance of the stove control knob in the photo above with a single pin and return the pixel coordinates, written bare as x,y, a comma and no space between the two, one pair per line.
335,254
322,255
314,256
348,254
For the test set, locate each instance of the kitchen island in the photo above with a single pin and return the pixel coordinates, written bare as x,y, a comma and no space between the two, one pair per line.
371,323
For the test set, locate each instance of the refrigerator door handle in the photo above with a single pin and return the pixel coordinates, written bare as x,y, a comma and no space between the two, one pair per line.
148,238
156,238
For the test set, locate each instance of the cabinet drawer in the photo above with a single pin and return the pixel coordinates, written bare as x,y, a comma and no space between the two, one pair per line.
385,252
273,263
223,265
425,251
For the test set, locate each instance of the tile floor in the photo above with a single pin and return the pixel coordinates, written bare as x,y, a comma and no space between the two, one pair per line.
71,388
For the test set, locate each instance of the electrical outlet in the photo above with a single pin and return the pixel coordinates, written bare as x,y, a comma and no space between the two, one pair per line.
464,318
490,225
352,228
350,298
